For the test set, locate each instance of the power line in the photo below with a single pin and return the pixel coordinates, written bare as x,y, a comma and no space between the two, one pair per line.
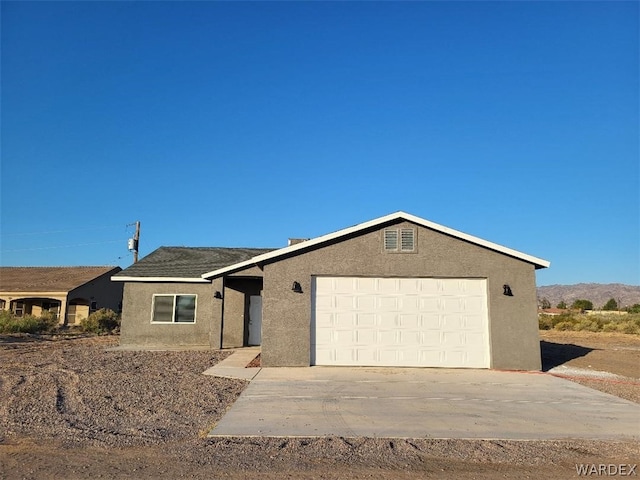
62,246
103,227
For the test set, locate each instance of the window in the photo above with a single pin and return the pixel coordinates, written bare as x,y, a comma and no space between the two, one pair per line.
402,240
18,309
174,309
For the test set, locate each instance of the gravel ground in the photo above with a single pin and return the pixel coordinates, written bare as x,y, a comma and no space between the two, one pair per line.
70,409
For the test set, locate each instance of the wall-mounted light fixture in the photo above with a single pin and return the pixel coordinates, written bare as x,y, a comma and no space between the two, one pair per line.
507,290
217,294
296,287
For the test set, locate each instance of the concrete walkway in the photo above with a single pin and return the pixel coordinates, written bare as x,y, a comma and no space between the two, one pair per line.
424,403
234,366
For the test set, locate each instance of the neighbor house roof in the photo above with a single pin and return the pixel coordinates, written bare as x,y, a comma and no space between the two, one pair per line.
398,216
185,264
48,279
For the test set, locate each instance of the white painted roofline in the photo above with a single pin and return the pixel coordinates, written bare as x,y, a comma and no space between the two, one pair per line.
372,223
160,279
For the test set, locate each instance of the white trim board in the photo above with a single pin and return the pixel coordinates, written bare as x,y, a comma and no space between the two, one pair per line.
160,279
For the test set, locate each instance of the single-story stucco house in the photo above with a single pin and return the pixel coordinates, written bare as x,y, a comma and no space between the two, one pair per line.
394,291
70,293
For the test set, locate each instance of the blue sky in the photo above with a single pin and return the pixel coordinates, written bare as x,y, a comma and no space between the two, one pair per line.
243,124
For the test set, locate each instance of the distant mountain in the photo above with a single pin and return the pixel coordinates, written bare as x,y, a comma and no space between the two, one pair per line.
597,293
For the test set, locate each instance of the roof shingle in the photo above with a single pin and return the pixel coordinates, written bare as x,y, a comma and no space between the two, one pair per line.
48,279
188,262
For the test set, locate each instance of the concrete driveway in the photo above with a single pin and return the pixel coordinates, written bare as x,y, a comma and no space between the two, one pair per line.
425,403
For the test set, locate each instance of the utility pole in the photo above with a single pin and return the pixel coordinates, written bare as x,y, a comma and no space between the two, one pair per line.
136,241
133,242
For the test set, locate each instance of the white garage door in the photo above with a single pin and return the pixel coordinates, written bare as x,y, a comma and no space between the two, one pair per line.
409,322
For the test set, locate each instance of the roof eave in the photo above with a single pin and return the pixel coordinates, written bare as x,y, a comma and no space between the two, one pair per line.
231,268
159,279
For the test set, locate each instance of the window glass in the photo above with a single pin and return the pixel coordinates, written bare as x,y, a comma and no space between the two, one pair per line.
163,308
186,308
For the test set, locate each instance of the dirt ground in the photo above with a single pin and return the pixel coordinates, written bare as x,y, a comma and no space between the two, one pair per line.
70,409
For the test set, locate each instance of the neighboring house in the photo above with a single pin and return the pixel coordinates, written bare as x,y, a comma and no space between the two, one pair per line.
553,311
395,291
71,293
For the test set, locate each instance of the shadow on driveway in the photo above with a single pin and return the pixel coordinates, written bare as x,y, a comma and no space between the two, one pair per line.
555,354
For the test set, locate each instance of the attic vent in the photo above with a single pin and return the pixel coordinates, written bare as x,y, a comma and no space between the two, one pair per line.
407,240
399,240
391,240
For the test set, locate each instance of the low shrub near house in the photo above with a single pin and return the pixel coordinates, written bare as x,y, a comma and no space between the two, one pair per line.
101,321
9,323
591,323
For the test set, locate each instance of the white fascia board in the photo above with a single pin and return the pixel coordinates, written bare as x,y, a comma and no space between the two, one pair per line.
160,279
235,266
538,262
479,241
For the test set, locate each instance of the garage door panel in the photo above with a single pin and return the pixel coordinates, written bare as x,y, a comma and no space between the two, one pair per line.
452,339
388,303
366,319
386,320
343,285
324,302
451,322
431,321
365,284
345,302
365,302
472,322
387,285
365,337
409,320
400,322
344,319
430,304
430,357
409,303
388,337
409,286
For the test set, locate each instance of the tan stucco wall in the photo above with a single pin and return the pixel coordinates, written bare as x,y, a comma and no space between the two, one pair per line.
513,320
61,297
137,328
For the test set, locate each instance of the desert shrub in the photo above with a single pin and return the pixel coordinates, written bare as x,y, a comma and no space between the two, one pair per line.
629,323
9,323
610,327
588,325
628,326
563,326
101,321
545,322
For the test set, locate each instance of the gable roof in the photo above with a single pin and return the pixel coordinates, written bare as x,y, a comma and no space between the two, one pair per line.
185,264
48,279
397,216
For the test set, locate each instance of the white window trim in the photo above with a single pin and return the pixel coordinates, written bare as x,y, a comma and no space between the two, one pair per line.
399,231
173,315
